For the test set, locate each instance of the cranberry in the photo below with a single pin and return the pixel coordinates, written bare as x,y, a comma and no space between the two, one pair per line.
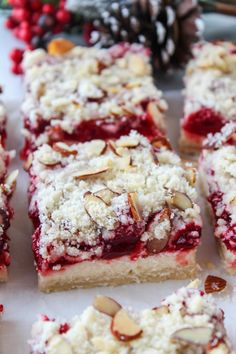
16,69
48,9
16,55
64,328
1,308
36,5
20,14
63,16
25,35
10,23
203,121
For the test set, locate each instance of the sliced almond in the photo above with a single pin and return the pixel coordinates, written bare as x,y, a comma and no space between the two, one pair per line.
106,305
97,147
59,46
160,142
233,201
99,212
28,162
161,310
64,149
134,208
124,328
49,160
90,172
114,148
106,195
214,284
181,201
127,142
156,245
156,115
137,65
191,175
10,180
194,335
124,163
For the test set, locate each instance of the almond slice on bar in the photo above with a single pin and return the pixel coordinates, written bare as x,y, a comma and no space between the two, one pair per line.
136,64
49,160
194,335
90,172
156,245
97,147
28,162
134,208
114,148
214,284
191,175
10,180
181,200
124,328
160,142
156,115
127,142
59,46
106,305
106,195
64,149
92,204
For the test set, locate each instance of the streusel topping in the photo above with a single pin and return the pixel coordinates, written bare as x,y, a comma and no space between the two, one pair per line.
92,331
88,190
87,83
211,79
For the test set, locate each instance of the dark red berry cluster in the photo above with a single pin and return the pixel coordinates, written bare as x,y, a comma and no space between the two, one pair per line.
35,22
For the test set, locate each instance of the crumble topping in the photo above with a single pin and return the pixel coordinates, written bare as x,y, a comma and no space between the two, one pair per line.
86,84
219,168
88,190
210,79
92,331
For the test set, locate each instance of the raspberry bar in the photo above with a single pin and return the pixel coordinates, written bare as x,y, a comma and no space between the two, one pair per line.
187,321
112,212
218,175
89,93
209,94
7,185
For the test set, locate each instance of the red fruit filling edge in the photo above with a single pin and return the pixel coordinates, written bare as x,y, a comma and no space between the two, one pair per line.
202,122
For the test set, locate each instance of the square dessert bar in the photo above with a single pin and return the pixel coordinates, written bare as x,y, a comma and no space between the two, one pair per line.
89,93
218,174
187,321
7,185
210,91
113,212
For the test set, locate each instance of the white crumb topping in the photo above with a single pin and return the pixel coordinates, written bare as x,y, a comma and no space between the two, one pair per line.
70,217
91,332
219,168
210,79
86,84
218,139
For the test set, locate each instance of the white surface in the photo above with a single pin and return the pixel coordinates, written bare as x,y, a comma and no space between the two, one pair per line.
20,295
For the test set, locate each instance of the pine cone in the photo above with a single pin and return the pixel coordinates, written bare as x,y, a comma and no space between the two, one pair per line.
168,27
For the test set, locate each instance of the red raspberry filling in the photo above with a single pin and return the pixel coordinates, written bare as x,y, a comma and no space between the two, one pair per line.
203,122
126,242
105,129
229,235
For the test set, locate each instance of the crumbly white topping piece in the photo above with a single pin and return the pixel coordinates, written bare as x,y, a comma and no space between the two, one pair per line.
85,84
220,138
219,168
132,175
210,79
91,332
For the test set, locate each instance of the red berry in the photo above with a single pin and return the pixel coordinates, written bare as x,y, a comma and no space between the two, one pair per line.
63,16
16,69
25,35
39,31
18,3
20,14
16,55
10,23
48,9
35,17
36,5
1,308
25,25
